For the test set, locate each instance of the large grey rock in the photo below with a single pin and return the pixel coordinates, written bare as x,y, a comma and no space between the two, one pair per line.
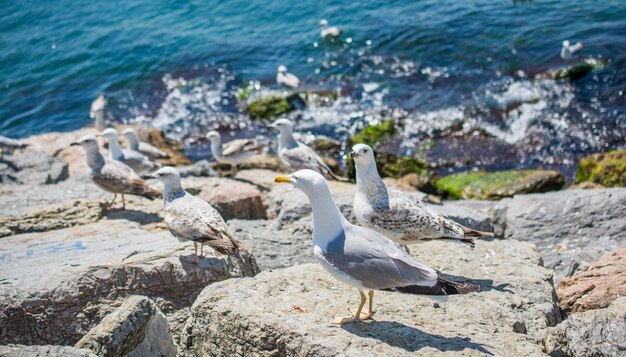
200,168
571,228
593,333
33,168
466,216
44,351
289,312
136,328
57,285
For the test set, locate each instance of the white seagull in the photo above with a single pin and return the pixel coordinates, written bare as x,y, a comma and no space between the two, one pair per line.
397,215
136,160
569,52
97,111
328,32
233,152
295,155
286,79
361,257
147,149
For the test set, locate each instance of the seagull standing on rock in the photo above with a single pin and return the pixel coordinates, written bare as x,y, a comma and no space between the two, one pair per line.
190,218
569,52
286,79
113,176
296,155
149,150
233,152
361,257
97,111
328,32
136,160
397,215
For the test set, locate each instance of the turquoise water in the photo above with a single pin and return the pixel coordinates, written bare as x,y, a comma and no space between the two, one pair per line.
432,65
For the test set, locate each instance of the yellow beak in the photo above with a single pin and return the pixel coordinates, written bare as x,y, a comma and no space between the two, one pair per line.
282,179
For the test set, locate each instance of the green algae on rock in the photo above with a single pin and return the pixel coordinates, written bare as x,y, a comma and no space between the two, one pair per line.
269,107
497,185
373,134
607,169
576,71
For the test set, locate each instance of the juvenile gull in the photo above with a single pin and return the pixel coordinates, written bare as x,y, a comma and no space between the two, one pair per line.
149,150
190,218
398,215
136,160
328,31
296,155
113,176
97,111
569,52
233,152
361,257
286,79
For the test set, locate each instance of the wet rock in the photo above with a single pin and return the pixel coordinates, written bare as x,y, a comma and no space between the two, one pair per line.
234,199
158,139
32,168
58,285
574,72
136,328
373,134
268,107
596,286
571,228
496,185
290,311
591,333
43,351
605,169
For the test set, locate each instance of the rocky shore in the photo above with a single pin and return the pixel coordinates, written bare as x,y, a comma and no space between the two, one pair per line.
80,279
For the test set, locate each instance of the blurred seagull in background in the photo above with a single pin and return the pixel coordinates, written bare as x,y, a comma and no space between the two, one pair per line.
286,79
8,145
328,32
136,160
233,152
149,150
97,111
569,52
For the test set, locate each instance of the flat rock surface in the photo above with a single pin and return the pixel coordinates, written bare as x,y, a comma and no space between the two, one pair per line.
56,285
290,311
571,228
34,168
44,351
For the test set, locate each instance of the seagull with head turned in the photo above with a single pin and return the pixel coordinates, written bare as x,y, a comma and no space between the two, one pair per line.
361,257
397,215
286,79
97,111
145,148
328,32
569,52
136,160
190,218
295,155
234,151
112,175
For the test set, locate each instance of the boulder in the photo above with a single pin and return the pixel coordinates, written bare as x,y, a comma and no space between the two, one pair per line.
233,198
497,185
157,138
58,285
43,351
57,144
201,168
289,312
269,107
136,328
32,168
263,161
466,216
605,169
593,333
571,228
596,286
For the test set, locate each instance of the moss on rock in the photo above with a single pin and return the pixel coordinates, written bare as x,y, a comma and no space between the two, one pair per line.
373,134
607,169
269,107
496,185
579,70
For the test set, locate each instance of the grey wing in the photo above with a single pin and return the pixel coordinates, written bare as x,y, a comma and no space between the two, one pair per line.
377,262
151,151
235,147
303,157
117,177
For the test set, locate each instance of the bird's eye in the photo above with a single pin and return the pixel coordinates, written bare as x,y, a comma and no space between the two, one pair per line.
365,151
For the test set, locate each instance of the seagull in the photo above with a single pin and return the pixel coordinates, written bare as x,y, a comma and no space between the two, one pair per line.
113,176
234,151
296,155
361,257
397,215
569,52
328,31
286,79
190,218
97,111
147,149
9,144
136,160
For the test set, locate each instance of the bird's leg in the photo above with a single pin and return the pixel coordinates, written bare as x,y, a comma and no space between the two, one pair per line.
123,202
113,200
202,249
233,170
356,317
367,315
195,252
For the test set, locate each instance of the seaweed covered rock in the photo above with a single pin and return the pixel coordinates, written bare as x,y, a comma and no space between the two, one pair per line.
269,107
496,185
574,72
607,169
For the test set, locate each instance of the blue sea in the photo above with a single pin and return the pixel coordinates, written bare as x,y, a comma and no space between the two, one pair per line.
457,76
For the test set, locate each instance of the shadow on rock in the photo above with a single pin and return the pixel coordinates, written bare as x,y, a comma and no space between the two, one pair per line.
409,338
190,264
133,215
485,284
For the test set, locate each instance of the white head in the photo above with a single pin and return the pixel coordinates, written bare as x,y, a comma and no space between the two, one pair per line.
363,155
129,132
323,22
282,69
168,175
283,125
214,136
308,181
566,43
88,142
109,134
